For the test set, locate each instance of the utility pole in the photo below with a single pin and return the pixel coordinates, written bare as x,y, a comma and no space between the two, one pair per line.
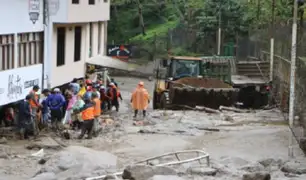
219,29
292,76
272,40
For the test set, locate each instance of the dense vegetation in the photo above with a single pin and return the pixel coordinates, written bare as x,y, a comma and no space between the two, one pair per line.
187,25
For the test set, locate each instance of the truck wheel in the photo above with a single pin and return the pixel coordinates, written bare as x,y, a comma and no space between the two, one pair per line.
163,101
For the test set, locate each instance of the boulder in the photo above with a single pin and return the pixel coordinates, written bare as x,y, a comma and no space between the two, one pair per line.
252,167
79,162
257,176
144,172
202,171
162,177
294,167
44,143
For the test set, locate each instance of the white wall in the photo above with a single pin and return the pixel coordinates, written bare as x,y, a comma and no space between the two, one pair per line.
15,17
63,74
82,12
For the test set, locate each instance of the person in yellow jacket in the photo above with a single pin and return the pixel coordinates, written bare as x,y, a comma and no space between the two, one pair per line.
140,99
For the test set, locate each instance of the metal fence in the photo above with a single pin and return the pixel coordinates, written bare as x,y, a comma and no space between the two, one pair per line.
281,72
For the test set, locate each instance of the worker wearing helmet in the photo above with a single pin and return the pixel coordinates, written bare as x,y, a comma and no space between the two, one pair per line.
140,99
87,112
114,94
103,98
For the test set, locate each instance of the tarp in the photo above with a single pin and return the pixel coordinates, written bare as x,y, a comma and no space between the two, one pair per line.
109,62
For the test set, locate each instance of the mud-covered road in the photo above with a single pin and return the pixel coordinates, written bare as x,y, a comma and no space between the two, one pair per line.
244,138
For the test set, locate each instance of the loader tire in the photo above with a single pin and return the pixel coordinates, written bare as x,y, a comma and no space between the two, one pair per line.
155,105
163,101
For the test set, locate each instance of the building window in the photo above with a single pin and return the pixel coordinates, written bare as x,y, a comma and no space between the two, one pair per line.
105,1
91,2
30,48
90,39
7,52
99,36
61,43
77,43
75,1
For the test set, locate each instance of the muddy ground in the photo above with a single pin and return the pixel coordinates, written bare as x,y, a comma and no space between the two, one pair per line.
247,136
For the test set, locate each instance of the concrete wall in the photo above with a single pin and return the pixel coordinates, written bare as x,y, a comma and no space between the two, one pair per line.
82,12
15,17
63,74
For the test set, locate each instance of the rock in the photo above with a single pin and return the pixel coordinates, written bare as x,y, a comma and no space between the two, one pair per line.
161,177
45,176
43,160
252,167
4,155
234,161
294,167
202,171
257,176
271,162
4,151
226,118
3,140
44,143
143,172
78,162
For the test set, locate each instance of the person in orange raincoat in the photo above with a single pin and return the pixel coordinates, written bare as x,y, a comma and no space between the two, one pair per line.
140,99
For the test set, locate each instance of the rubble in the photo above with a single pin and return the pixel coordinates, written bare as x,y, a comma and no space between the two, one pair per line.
162,177
257,176
294,167
202,171
143,172
44,143
79,162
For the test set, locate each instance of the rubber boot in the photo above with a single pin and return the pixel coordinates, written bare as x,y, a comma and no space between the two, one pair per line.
135,113
144,112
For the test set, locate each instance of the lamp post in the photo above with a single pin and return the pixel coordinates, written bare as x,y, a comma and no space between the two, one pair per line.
292,76
272,40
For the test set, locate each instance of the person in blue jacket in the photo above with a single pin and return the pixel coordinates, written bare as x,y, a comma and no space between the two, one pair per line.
56,102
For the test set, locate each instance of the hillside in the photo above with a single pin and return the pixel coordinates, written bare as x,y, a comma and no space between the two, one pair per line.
187,27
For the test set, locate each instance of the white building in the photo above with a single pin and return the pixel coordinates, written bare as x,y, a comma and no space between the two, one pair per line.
76,32
21,48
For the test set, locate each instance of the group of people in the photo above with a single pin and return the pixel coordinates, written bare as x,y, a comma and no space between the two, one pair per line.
79,107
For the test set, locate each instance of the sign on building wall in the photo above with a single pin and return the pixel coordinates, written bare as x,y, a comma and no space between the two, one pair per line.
34,10
17,83
119,51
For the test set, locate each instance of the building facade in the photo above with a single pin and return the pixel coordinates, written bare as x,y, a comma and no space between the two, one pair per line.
76,31
21,48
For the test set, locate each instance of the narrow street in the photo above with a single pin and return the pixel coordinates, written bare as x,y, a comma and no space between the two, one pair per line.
236,144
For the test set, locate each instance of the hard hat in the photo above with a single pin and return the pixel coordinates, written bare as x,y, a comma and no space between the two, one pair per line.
88,81
140,83
102,87
111,84
57,90
87,96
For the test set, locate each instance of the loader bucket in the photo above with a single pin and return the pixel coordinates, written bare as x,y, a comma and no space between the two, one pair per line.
206,92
